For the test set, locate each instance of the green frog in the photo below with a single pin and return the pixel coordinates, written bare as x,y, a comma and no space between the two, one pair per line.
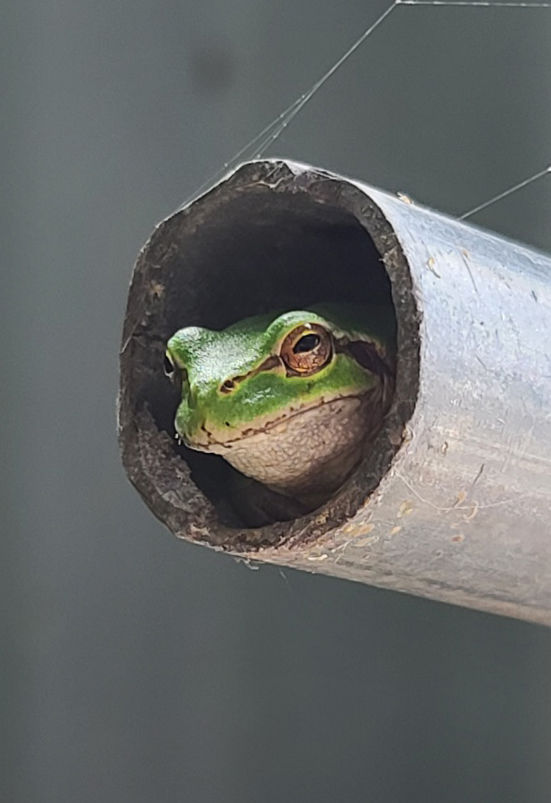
289,399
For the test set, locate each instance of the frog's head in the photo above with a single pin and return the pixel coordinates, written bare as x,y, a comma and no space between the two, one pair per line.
287,399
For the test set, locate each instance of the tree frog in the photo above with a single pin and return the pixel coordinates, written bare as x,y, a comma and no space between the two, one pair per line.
289,399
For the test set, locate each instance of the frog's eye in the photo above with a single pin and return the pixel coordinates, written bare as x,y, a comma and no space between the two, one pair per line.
169,366
307,349
176,374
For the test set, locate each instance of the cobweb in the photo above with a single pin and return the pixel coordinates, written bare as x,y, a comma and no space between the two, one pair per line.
259,144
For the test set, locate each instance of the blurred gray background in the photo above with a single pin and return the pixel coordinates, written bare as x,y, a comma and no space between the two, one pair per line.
138,668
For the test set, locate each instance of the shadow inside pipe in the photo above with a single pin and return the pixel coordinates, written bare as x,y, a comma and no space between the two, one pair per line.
260,252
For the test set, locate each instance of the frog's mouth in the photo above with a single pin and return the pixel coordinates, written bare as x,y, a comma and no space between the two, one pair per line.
337,410
317,443
212,439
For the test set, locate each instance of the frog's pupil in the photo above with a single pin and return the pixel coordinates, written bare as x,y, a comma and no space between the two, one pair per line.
306,343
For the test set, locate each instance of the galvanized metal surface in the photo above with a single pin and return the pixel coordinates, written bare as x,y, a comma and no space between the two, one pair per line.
455,505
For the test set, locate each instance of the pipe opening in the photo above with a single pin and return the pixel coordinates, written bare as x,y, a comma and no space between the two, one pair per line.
231,255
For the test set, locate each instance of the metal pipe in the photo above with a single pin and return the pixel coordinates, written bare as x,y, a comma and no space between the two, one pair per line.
453,503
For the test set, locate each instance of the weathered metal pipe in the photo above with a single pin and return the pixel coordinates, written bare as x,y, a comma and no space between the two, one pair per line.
454,501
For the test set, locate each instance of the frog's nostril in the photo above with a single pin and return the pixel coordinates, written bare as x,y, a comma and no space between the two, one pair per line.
227,386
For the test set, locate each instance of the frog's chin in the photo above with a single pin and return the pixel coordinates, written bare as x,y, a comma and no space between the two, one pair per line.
309,449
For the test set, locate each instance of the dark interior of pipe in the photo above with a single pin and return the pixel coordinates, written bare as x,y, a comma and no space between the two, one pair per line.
260,252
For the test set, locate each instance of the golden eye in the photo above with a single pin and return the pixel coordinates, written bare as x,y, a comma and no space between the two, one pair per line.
307,349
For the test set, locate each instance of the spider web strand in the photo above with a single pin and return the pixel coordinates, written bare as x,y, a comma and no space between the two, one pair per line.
258,145
471,4
506,193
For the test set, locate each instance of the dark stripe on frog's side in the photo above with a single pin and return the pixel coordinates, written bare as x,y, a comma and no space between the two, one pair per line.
271,362
367,355
365,352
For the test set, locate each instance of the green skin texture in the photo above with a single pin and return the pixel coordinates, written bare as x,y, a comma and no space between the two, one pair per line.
209,358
